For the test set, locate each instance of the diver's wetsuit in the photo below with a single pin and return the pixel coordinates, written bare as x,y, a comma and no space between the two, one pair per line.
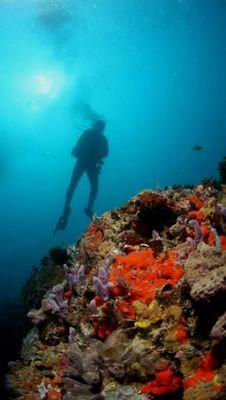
90,150
92,172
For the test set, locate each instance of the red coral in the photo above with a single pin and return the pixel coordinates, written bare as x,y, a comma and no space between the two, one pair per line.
68,294
165,382
181,334
126,309
99,302
204,373
61,330
104,329
223,242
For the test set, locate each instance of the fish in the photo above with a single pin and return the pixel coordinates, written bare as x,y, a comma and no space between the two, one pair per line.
197,147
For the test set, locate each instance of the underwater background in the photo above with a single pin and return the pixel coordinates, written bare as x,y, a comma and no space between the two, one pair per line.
153,69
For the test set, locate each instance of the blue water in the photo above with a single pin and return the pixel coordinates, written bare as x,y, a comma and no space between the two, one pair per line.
155,71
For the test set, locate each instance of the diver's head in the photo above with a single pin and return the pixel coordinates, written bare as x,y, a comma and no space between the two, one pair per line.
99,125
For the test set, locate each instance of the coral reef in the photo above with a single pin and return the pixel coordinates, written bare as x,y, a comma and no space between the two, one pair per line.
139,311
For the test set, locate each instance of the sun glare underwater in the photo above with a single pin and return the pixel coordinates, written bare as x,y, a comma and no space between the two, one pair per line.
152,70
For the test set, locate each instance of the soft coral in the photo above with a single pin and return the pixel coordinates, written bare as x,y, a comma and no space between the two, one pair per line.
136,276
205,372
165,382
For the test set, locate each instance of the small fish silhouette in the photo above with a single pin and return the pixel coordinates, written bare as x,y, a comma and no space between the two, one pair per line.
197,147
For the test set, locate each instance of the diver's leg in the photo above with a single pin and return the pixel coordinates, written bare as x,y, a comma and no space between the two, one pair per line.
93,176
76,176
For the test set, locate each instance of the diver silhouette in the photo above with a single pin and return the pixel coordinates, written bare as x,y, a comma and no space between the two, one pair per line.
89,151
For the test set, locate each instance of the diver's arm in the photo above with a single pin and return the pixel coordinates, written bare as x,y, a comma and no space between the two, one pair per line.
80,145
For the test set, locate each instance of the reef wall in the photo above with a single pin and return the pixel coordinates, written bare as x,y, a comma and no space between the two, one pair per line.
140,312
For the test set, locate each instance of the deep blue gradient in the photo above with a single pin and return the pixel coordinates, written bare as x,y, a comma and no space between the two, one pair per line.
154,69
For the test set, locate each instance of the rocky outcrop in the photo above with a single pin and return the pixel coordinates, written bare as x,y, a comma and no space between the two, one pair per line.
219,329
205,273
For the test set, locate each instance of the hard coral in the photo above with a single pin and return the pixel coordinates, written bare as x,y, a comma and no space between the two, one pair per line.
155,212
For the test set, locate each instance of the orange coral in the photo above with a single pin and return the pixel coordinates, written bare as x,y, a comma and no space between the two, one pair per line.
136,276
196,201
57,379
54,394
165,382
208,235
94,237
199,215
93,229
30,384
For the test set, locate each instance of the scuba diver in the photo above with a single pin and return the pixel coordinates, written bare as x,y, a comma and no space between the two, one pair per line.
89,151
